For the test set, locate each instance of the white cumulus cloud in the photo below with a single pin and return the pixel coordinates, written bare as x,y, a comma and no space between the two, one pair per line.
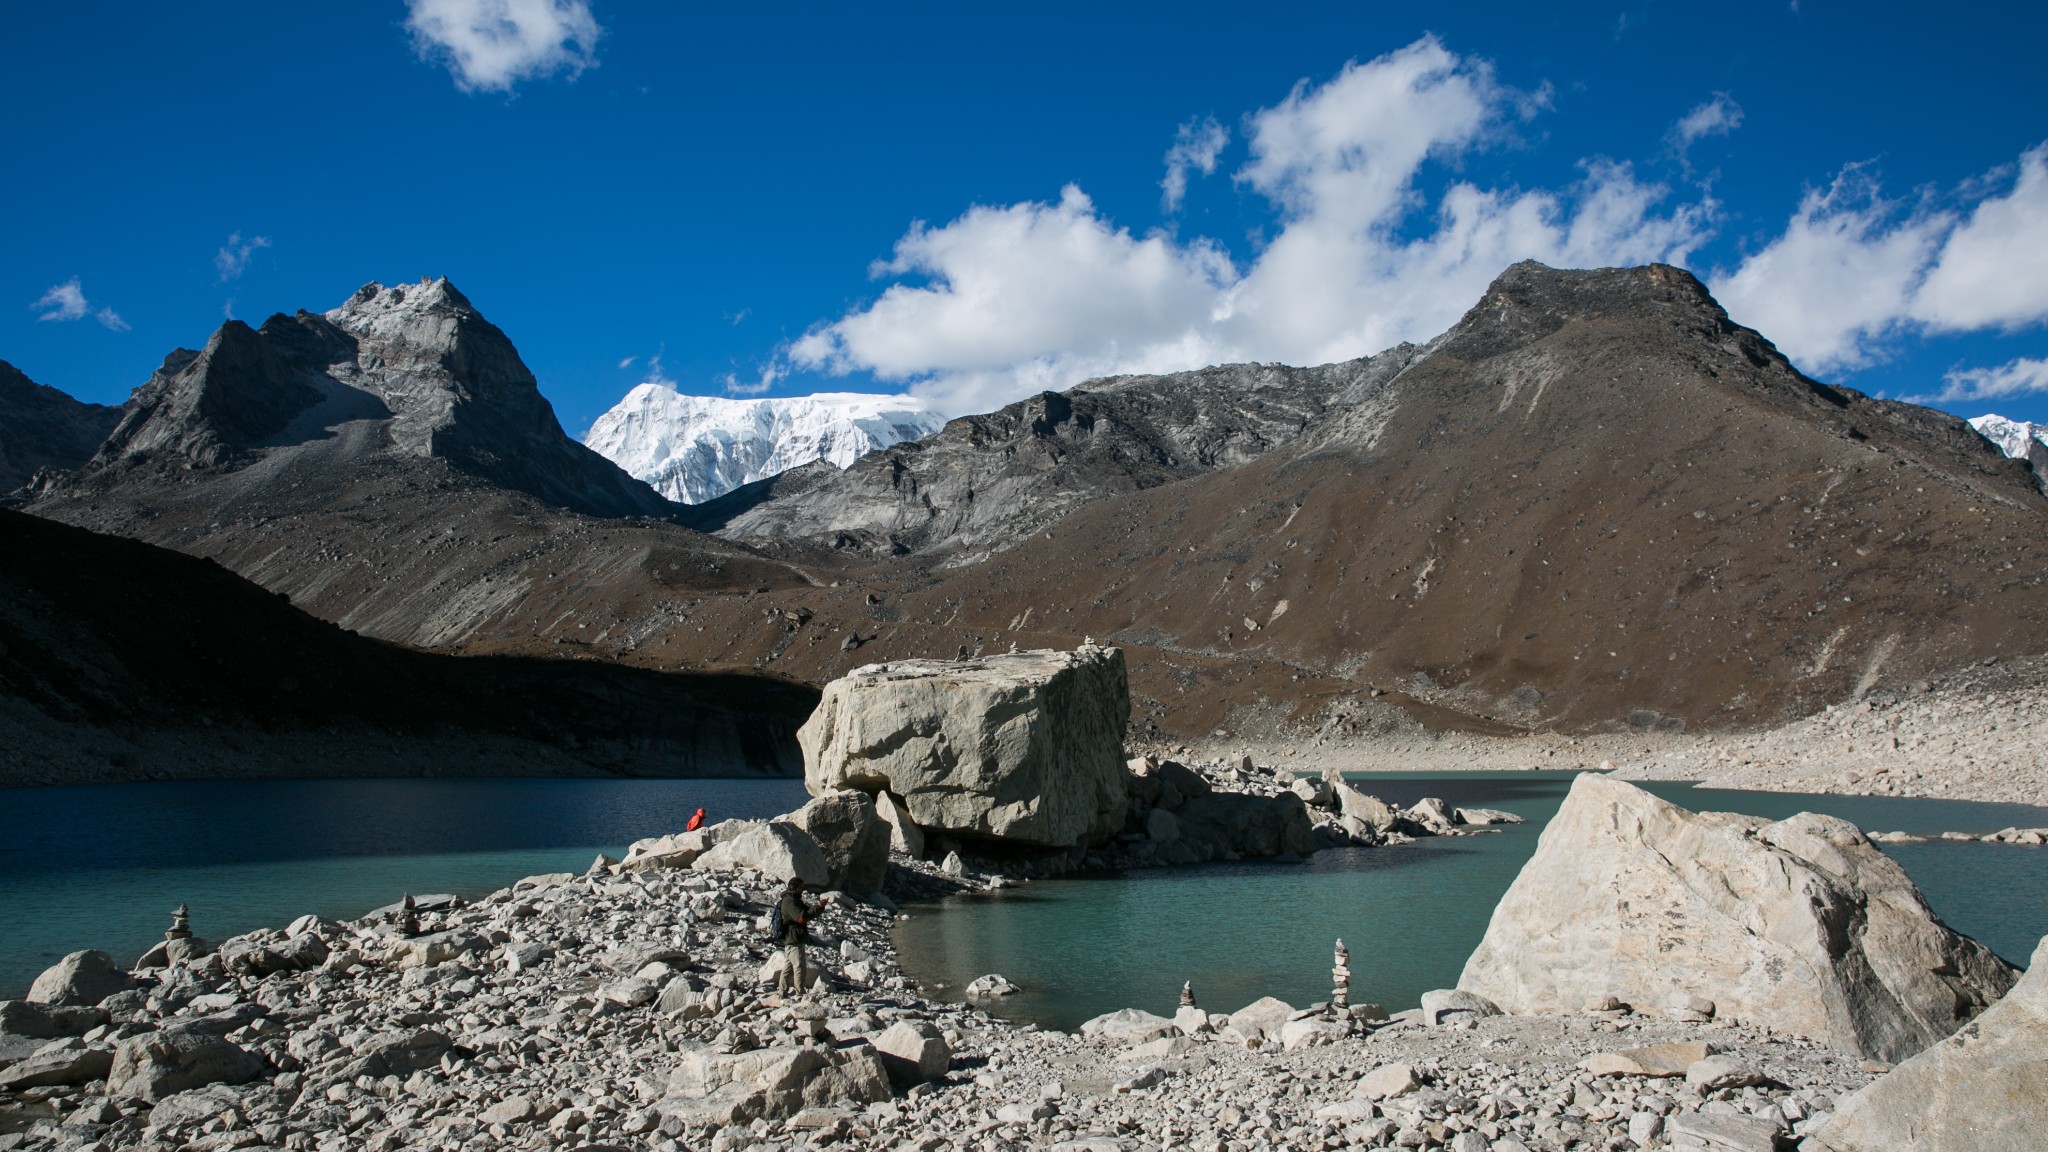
1008,300
1195,148
67,301
233,258
1855,271
490,45
1993,269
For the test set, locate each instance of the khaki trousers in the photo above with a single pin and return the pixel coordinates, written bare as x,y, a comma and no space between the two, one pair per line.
795,977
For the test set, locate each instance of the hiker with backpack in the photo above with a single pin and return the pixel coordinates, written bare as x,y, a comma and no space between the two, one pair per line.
790,926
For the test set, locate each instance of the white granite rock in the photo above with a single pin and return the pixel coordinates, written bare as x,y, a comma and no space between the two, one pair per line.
1801,925
1025,747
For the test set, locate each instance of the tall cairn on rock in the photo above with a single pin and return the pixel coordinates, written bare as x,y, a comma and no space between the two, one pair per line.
1187,994
1340,979
408,918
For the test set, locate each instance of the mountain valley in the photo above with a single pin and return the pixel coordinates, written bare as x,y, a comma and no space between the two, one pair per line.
1594,505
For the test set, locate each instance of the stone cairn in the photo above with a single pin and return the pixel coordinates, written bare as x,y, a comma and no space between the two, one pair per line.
408,919
1340,979
1187,994
181,924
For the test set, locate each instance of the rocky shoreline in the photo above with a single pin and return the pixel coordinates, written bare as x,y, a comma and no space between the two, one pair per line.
609,1011
1978,734
1654,978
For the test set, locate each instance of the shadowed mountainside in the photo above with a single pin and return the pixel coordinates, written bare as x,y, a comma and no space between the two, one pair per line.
120,660
41,428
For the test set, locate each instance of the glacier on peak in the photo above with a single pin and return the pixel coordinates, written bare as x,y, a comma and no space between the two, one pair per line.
695,448
2019,439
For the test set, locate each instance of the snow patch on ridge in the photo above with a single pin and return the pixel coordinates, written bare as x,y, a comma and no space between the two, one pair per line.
695,448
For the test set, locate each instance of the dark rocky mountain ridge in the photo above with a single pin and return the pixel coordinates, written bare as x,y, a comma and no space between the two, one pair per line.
42,428
391,465
985,482
120,660
1594,503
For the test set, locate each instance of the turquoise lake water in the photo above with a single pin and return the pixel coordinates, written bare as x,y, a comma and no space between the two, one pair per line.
101,867
1410,915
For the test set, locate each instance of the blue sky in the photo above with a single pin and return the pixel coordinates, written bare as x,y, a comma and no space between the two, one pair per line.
973,201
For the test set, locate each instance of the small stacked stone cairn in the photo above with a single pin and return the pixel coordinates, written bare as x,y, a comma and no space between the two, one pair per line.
408,919
181,924
1340,979
1187,994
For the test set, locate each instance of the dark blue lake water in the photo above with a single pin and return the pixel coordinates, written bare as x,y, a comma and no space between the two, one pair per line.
101,867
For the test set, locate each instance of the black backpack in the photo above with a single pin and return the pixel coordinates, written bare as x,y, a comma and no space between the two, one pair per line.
775,923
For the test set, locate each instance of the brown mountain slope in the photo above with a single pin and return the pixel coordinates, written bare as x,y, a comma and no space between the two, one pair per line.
1595,500
119,659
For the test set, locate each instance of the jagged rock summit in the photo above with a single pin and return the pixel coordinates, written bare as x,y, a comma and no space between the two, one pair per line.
694,448
411,369
1800,925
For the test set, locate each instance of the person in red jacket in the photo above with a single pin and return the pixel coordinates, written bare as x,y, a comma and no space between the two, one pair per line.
696,821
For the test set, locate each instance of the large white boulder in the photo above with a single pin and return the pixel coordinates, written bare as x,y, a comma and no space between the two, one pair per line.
1984,1089
1025,747
1800,925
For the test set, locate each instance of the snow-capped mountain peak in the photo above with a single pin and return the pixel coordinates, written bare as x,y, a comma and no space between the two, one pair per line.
2019,439
695,448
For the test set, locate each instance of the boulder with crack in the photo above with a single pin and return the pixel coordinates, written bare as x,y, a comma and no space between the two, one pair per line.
1800,925
1025,747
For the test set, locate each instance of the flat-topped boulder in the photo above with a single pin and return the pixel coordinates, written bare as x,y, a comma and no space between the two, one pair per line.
1984,1089
1025,747
1801,925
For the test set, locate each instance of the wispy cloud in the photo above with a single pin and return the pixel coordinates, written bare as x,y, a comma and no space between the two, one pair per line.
2021,377
768,378
1195,148
1717,117
64,301
628,362
491,45
67,301
233,258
